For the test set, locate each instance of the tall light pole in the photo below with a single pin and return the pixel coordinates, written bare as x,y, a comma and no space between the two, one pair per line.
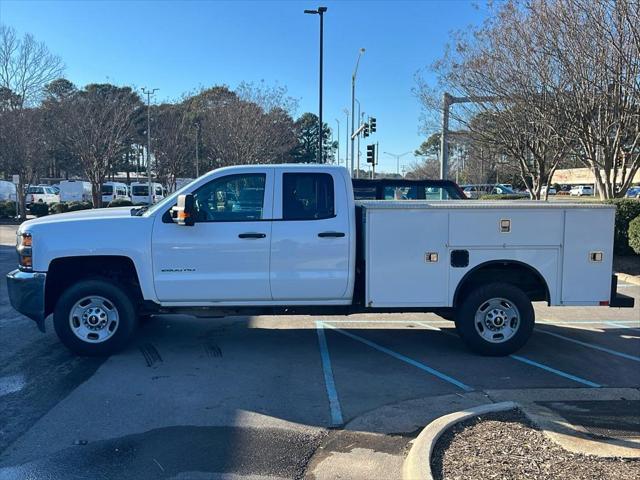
346,143
320,11
397,157
353,107
148,93
338,137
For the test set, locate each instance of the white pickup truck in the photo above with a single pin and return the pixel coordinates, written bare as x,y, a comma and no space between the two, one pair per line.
290,239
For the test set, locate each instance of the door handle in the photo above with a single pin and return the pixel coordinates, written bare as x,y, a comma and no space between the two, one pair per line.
331,234
252,235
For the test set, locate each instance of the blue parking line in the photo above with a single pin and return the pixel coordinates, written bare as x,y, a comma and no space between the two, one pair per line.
591,345
529,362
332,393
403,358
557,372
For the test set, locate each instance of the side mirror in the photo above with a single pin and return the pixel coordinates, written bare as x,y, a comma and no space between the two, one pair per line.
184,212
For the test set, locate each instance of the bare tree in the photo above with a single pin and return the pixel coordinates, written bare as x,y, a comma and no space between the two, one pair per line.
236,131
26,66
101,121
174,142
513,80
601,99
23,148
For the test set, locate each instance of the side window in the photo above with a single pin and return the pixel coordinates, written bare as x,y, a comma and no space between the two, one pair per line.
234,198
307,196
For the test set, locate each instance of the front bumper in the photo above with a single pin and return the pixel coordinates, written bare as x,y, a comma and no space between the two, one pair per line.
618,299
26,293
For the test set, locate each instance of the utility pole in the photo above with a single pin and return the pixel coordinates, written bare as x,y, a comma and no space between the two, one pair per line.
197,149
360,117
353,106
338,137
320,11
346,143
148,93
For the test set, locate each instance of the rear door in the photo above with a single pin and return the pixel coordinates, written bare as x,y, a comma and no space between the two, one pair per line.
310,236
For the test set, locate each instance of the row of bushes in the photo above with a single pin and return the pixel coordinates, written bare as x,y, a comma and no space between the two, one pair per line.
7,209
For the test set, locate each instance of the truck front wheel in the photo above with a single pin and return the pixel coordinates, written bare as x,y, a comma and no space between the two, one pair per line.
495,319
94,318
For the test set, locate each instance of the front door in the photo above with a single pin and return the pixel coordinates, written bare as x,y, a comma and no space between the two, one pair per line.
310,237
224,257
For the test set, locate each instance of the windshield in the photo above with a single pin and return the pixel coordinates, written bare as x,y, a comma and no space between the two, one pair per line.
107,190
140,190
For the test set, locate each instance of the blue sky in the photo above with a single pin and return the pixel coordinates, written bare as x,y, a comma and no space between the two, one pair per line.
179,46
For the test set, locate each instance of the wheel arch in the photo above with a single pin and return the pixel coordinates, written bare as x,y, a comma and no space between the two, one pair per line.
65,271
514,272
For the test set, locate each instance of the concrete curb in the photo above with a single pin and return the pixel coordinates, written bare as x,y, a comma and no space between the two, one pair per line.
625,277
417,465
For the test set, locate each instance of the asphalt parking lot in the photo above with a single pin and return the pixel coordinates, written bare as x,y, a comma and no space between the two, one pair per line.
273,397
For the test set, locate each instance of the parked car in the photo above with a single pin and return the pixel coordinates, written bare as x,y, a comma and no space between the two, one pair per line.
7,191
633,192
478,190
302,245
41,194
140,192
403,189
114,191
543,190
75,191
581,190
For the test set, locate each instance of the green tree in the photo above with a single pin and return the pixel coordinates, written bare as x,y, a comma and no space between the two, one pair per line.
307,132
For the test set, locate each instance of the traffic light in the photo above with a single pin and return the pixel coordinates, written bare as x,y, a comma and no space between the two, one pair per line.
372,124
371,154
365,130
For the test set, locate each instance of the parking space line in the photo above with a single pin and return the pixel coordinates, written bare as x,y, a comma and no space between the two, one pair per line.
401,357
620,325
405,322
579,322
557,372
329,382
529,362
591,345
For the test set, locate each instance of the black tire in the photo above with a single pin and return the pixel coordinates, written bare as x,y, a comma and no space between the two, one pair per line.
477,298
123,332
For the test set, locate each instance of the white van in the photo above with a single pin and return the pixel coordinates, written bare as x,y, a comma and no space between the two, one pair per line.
140,192
7,191
75,191
114,191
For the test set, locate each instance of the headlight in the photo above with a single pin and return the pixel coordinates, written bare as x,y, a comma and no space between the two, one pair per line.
25,259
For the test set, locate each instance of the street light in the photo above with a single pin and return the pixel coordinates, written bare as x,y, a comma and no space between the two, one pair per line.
353,106
397,157
338,137
148,93
320,11
346,143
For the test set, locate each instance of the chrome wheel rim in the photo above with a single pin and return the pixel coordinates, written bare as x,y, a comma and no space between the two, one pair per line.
94,319
497,320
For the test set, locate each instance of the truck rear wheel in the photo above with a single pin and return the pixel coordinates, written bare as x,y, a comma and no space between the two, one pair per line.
495,319
94,318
